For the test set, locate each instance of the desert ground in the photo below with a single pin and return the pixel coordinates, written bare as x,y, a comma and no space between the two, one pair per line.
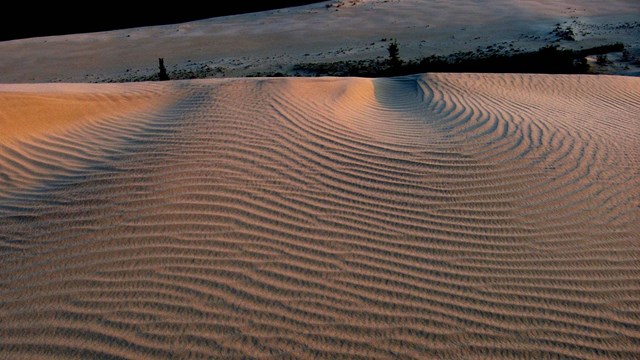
444,216
273,42
426,216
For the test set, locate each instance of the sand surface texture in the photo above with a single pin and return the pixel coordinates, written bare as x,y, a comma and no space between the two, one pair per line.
434,216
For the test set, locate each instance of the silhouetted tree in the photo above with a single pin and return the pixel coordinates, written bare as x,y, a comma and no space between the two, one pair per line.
394,55
162,75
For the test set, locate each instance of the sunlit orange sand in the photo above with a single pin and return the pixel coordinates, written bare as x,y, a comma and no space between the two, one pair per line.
435,216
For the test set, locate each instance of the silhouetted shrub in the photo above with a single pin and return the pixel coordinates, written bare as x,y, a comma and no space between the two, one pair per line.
162,75
547,60
394,55
566,34
601,50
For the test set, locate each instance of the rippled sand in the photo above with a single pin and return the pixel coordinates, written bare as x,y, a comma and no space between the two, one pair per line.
434,216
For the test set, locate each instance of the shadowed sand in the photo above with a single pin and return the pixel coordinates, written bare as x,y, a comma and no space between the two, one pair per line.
434,216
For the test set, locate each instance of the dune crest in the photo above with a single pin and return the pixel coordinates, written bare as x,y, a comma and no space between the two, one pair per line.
47,131
32,114
434,216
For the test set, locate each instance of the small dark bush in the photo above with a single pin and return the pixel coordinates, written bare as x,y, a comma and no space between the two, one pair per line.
162,74
394,55
546,60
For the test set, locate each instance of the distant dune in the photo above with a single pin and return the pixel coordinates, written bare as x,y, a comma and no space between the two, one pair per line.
273,42
433,216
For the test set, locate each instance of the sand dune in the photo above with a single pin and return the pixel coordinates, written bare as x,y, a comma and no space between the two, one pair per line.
274,41
435,216
59,108
54,130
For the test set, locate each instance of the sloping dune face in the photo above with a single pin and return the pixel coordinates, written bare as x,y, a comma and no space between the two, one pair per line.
438,216
47,131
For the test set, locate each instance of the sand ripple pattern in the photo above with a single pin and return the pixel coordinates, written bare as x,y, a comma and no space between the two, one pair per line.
435,216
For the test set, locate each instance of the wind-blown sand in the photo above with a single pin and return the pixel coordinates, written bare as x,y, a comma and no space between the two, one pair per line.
451,216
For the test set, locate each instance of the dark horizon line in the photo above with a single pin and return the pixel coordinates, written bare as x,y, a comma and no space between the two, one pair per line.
50,20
